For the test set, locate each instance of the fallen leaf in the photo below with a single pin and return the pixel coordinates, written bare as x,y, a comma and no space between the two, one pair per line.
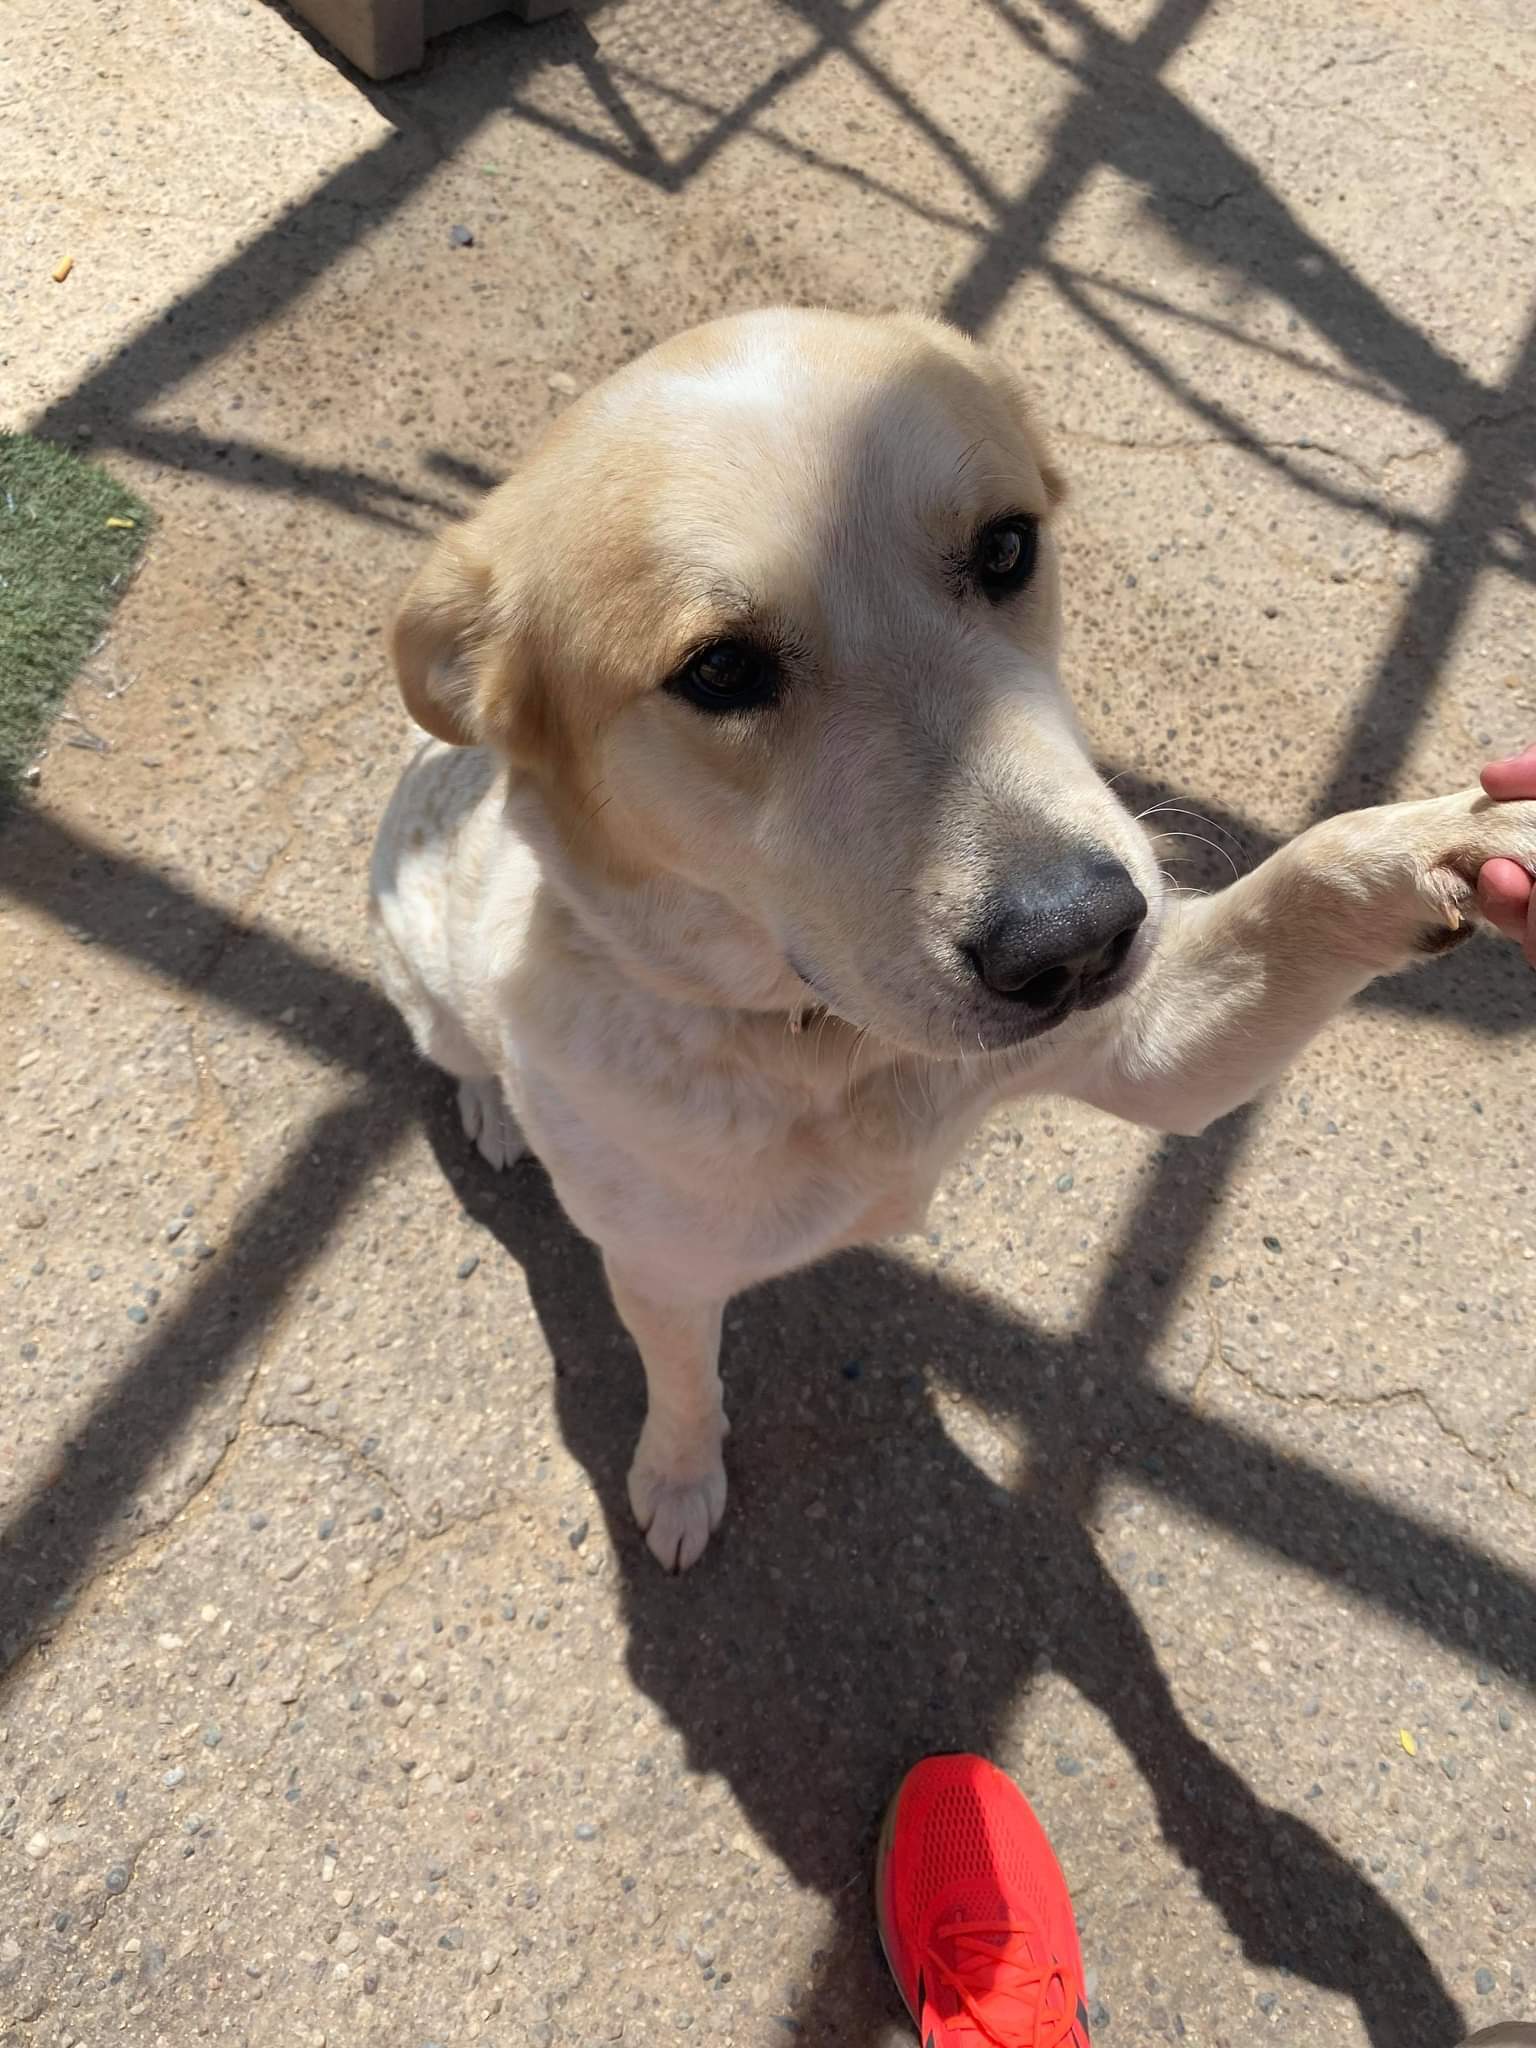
1407,1741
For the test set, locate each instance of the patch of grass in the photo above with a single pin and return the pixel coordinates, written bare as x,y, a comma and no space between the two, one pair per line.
63,565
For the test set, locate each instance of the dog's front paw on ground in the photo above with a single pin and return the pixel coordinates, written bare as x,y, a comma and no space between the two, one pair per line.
678,1502
488,1123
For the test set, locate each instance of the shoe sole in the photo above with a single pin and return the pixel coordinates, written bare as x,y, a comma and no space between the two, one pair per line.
882,1917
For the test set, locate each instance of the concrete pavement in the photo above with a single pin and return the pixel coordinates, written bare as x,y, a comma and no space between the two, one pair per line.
341,1703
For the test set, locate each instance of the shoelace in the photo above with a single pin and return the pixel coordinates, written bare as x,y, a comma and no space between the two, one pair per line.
980,1952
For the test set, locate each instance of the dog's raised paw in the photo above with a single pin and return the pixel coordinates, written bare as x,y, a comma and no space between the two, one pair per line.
488,1123
1461,833
1485,829
1401,879
678,1512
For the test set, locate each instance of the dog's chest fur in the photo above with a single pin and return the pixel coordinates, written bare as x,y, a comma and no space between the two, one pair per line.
704,1139
712,1141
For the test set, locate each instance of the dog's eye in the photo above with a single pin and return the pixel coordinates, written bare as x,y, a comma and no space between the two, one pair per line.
729,675
1004,556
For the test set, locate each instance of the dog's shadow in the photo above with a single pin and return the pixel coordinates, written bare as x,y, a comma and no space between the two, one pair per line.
817,1651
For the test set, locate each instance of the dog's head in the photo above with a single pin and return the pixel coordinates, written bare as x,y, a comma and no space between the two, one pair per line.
774,613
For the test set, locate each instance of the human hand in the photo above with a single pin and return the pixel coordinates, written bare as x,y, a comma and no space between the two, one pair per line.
1504,888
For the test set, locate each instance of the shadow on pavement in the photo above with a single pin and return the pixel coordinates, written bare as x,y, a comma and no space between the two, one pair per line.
817,1651
815,1654
812,1657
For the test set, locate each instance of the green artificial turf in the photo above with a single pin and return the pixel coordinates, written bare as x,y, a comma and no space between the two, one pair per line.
62,568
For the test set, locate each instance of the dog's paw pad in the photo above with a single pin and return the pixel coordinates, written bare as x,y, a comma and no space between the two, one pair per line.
678,1515
488,1123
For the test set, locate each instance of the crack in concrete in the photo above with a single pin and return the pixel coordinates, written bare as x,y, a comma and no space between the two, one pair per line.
1179,444
1488,1461
96,1586
1206,205
1213,1352
357,1458
1184,444
86,1942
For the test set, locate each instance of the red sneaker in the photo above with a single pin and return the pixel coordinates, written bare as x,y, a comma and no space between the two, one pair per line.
974,1913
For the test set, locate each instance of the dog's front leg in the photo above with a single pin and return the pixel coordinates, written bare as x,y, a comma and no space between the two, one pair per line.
677,1481
1240,981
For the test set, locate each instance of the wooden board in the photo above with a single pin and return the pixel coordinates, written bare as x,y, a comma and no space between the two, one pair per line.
385,37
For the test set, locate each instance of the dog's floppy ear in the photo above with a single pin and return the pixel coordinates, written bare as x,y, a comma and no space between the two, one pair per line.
1051,474
438,639
1009,387
1024,412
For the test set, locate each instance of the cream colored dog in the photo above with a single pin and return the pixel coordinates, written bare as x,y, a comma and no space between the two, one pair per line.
761,854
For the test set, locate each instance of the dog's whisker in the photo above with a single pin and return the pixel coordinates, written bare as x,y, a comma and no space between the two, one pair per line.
1169,876
821,1031
901,1098
850,1094
925,1081
1170,809
1201,840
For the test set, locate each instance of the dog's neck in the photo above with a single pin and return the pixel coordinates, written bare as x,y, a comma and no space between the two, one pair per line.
678,942
663,933
688,945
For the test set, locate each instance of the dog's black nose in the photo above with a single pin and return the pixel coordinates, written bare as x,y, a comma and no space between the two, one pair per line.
1055,935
